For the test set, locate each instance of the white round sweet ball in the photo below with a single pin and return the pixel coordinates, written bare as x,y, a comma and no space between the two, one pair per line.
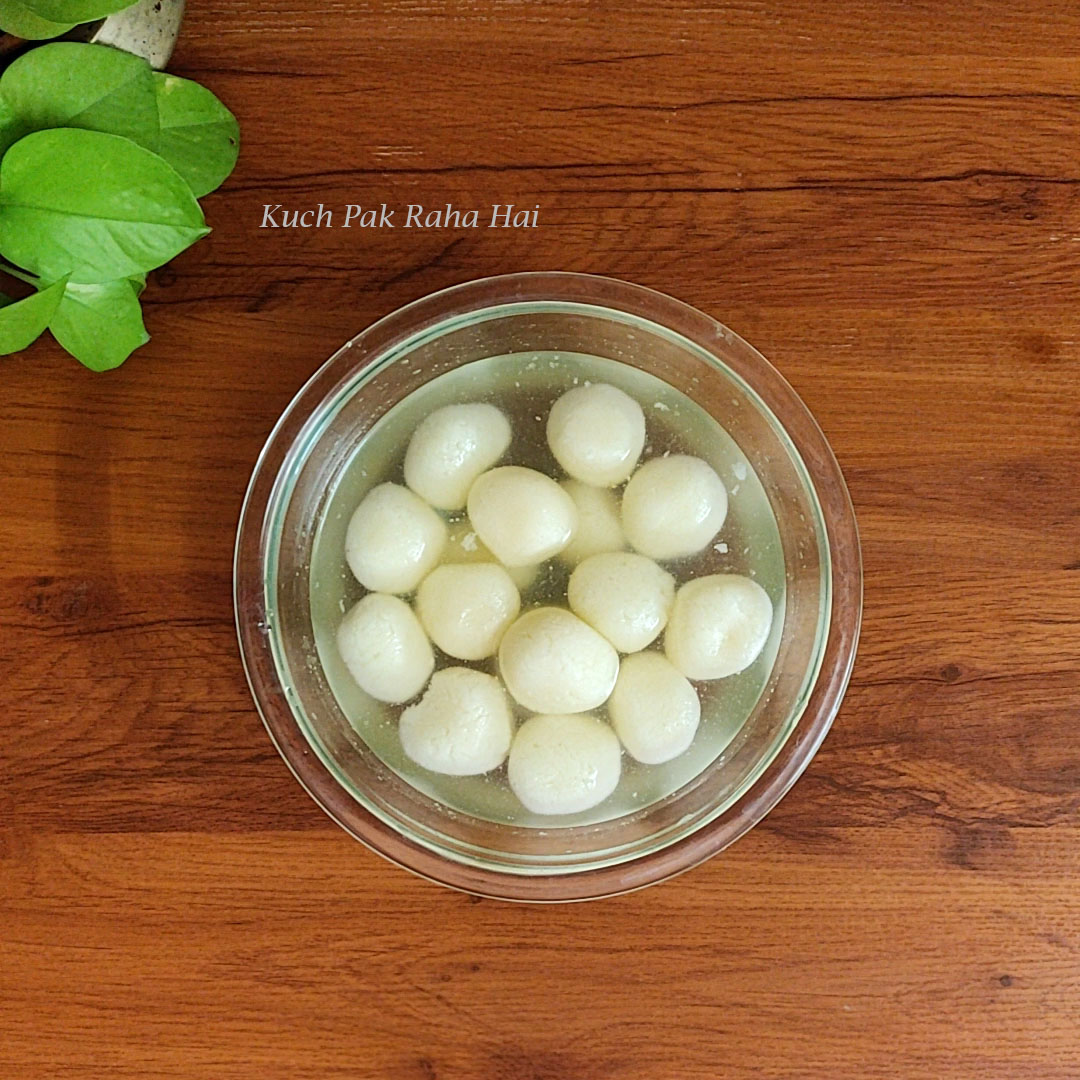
562,764
718,626
462,726
654,710
552,662
466,608
394,538
623,595
522,515
596,433
464,546
385,648
599,527
451,448
523,576
673,506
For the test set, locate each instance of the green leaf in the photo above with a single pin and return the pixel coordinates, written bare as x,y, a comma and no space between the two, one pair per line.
100,325
73,11
16,18
200,138
22,275
66,84
138,283
91,205
22,321
11,127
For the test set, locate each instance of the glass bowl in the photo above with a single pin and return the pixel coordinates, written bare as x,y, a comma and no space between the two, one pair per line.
315,439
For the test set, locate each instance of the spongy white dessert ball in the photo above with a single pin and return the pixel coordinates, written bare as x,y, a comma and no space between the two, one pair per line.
654,710
522,515
596,433
623,595
394,538
451,448
462,726
385,648
599,527
466,608
563,764
718,626
464,546
673,506
552,662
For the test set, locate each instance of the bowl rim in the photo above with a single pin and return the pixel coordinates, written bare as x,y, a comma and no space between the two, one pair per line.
273,700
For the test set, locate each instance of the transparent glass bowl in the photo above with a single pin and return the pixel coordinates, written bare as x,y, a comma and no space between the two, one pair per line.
314,440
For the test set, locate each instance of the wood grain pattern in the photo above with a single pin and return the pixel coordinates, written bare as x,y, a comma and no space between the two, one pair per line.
885,198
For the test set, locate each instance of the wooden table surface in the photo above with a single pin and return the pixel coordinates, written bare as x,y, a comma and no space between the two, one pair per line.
885,199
